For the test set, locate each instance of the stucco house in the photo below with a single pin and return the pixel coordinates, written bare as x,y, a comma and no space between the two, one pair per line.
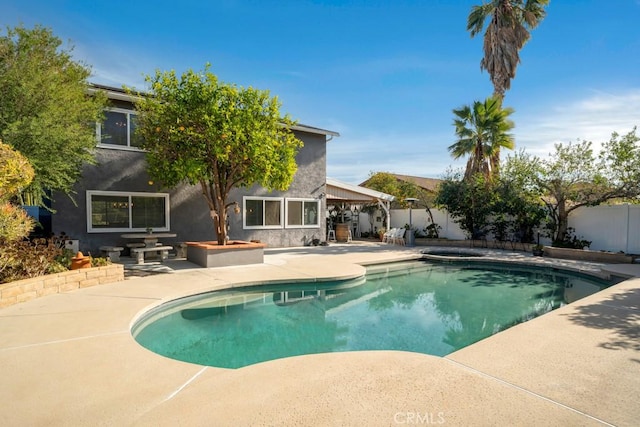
116,196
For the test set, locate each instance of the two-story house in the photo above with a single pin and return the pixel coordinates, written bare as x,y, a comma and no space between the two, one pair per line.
116,195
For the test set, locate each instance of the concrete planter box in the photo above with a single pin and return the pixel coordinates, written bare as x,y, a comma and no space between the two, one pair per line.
210,254
586,255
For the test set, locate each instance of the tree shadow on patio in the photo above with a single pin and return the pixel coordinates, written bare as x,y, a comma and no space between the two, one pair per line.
620,313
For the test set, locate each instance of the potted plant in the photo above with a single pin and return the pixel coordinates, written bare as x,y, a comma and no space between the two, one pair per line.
537,249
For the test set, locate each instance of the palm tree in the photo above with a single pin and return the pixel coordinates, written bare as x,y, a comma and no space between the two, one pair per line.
507,32
482,131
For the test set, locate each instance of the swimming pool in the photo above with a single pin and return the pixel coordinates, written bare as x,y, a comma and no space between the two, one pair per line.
426,307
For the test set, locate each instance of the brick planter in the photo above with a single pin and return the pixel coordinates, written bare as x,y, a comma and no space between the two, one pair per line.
28,289
210,254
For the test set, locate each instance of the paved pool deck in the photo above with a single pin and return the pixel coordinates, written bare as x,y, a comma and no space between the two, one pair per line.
69,359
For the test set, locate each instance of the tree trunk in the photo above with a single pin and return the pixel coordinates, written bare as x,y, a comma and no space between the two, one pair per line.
435,226
563,221
217,209
221,225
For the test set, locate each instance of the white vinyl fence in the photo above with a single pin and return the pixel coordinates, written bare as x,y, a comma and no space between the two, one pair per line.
609,228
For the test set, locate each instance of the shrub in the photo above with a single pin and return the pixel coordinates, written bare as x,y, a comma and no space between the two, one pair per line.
22,259
102,261
14,222
432,231
569,240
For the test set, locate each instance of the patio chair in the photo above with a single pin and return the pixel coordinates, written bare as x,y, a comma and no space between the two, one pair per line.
331,235
387,237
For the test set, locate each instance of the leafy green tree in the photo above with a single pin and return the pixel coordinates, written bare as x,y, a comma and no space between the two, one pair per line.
401,190
518,202
216,135
482,130
469,201
574,177
45,112
510,22
386,182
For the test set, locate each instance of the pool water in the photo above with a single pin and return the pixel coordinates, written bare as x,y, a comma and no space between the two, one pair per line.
423,307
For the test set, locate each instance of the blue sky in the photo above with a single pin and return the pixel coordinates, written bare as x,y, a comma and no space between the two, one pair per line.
384,74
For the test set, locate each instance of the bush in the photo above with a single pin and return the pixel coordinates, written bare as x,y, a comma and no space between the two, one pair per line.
22,259
15,224
102,261
29,258
569,240
432,231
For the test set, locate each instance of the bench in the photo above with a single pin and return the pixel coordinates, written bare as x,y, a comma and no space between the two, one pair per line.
136,245
139,252
113,252
181,250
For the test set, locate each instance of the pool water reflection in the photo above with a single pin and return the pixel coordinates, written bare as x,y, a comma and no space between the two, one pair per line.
420,306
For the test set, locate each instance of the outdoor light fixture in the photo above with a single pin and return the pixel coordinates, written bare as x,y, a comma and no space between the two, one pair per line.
411,201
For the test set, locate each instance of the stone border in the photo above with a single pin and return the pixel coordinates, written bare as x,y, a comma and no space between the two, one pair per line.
587,255
481,244
27,289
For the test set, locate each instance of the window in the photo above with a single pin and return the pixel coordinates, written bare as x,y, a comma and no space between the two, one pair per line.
120,211
118,129
263,212
303,213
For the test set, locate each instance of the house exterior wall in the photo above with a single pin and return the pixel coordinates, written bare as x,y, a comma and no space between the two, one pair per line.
125,170
309,182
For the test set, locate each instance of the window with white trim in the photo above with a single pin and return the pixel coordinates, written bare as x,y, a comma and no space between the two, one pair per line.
303,213
263,212
117,211
118,129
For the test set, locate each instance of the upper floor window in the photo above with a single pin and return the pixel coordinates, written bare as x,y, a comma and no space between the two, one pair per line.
263,212
118,129
122,211
303,213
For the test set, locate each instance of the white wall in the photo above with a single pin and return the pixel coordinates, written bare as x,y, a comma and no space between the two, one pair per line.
610,228
420,220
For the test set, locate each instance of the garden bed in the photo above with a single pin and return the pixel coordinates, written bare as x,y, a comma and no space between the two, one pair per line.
422,241
28,289
587,255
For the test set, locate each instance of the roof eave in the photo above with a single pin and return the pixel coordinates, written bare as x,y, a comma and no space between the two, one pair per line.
309,129
362,190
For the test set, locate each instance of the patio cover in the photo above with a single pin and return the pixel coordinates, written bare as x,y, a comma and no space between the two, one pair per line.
341,193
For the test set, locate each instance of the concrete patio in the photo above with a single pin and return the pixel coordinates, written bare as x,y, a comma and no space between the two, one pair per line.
69,359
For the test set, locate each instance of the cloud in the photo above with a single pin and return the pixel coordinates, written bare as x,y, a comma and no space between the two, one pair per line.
351,158
113,66
593,118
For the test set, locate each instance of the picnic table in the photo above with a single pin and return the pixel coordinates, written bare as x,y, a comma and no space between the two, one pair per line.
150,239
151,245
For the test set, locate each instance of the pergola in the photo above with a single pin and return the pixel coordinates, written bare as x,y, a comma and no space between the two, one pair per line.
345,195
